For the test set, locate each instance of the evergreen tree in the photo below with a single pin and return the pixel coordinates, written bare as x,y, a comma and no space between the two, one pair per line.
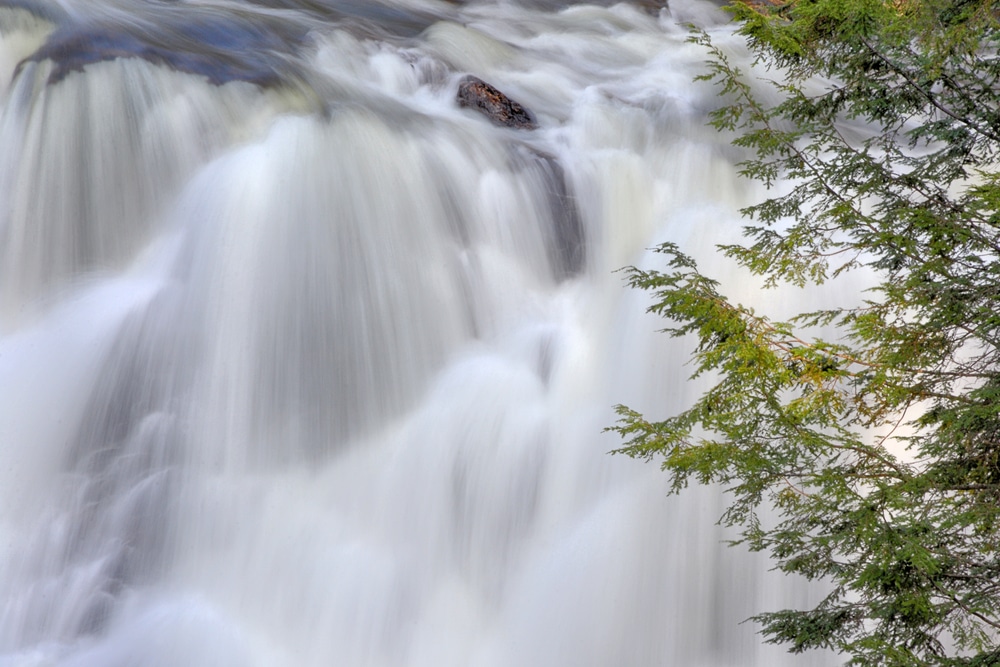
908,545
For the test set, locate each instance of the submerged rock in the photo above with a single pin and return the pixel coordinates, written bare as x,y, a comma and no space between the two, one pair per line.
567,249
222,49
565,236
476,94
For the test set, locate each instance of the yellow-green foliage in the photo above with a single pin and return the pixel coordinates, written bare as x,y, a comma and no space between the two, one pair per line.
910,549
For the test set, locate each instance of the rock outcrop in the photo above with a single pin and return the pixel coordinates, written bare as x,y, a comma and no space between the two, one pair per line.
222,50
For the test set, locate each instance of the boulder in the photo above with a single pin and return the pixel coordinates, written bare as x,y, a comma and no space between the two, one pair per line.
476,94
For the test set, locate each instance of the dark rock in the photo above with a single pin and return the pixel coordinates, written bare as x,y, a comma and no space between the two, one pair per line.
566,240
220,49
474,93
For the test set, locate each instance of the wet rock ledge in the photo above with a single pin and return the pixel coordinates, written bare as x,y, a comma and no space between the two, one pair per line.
220,48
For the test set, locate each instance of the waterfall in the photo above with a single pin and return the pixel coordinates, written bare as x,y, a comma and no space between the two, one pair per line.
304,363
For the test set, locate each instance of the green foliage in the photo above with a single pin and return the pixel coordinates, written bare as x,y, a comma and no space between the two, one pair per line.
887,133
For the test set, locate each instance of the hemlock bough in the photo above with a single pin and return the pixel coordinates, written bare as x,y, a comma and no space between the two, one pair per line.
891,161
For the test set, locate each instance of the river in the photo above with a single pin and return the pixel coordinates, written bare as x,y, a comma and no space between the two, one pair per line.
303,363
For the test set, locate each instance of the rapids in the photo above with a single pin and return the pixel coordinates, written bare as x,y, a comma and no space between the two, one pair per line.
303,364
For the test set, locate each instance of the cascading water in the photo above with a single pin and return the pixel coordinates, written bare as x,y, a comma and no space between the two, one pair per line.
302,363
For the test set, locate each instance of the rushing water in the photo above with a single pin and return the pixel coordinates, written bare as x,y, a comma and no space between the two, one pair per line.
302,363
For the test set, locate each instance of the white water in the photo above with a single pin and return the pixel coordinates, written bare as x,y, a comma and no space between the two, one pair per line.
315,375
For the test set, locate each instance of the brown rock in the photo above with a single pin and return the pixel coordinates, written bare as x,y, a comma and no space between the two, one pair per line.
476,94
